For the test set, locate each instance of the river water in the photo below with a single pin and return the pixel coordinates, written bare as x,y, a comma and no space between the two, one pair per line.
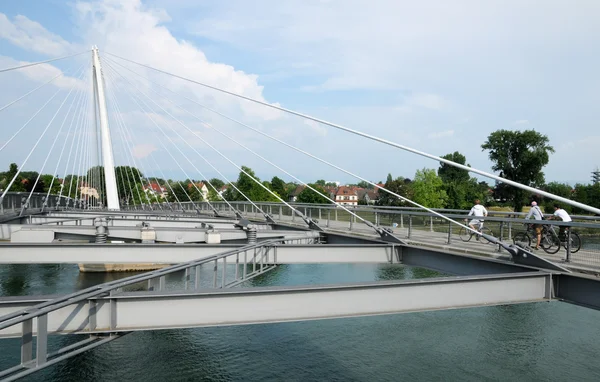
543,341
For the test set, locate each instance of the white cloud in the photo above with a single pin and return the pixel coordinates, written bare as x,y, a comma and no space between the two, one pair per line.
392,43
316,127
44,72
32,36
423,101
131,30
440,134
521,122
143,150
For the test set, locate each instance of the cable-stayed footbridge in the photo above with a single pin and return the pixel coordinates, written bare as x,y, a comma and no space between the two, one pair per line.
107,217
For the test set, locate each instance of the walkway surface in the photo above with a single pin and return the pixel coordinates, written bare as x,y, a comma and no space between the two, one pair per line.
583,261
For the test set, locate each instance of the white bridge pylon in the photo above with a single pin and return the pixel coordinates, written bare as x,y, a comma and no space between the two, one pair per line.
112,197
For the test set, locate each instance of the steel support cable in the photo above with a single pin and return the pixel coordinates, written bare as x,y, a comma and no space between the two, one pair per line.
368,223
178,149
53,144
35,145
30,92
131,167
81,173
217,170
201,174
43,62
306,153
82,153
55,173
122,128
29,120
130,194
305,218
377,139
79,139
168,152
76,135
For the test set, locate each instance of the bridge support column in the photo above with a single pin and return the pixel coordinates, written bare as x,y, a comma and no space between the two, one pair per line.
112,196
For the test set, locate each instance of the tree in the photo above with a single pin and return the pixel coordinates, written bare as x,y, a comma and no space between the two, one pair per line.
250,188
520,157
218,183
449,173
460,187
7,177
321,182
428,189
560,189
400,186
365,184
278,185
587,194
309,196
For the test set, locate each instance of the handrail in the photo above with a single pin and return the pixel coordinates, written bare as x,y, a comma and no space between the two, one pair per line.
73,298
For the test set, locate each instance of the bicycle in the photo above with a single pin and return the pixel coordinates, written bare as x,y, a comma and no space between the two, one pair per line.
467,234
550,241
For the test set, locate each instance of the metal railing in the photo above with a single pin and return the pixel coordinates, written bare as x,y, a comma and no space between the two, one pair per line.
225,270
415,225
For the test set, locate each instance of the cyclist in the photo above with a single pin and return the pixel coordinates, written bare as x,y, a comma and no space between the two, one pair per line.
537,214
564,216
477,211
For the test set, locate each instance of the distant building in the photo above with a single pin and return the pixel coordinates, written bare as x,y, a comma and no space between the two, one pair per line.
294,194
346,196
202,188
156,189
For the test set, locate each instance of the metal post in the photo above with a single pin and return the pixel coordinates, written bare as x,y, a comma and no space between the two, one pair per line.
197,281
112,196
568,259
336,215
409,226
42,340
328,217
224,276
501,236
27,341
431,224
215,274
280,218
509,230
449,232
401,220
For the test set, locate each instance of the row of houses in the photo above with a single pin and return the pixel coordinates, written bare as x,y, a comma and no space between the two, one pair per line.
344,195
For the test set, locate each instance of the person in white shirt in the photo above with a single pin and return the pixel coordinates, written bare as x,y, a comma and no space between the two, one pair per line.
537,214
563,215
477,211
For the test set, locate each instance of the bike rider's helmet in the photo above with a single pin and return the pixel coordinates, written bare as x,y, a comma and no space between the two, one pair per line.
533,204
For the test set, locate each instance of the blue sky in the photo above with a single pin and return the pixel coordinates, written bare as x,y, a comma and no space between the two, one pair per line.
436,76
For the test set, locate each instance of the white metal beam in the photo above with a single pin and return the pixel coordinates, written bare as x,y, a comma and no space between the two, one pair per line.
151,310
112,196
177,253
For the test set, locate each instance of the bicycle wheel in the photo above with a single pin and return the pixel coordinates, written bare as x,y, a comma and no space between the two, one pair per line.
464,234
522,237
486,231
575,242
550,243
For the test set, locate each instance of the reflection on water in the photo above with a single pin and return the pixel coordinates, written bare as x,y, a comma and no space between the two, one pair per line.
543,341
